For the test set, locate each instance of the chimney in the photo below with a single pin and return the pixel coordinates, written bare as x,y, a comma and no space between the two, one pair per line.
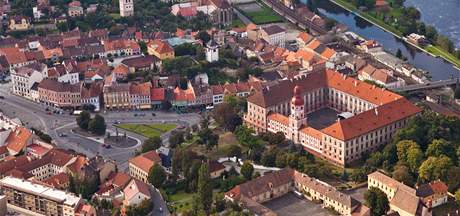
376,111
356,83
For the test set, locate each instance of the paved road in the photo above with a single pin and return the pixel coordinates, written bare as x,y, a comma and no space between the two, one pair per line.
35,115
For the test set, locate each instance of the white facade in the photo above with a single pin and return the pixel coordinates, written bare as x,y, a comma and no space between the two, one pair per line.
23,82
93,101
212,53
71,78
126,8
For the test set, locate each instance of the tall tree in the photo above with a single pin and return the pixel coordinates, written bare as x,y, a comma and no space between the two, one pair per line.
83,120
152,143
205,188
157,176
226,116
377,201
435,168
97,125
440,147
402,174
247,170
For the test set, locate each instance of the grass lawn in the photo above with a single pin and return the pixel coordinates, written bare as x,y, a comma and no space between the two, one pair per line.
148,130
237,23
181,201
115,16
377,21
225,141
439,52
263,16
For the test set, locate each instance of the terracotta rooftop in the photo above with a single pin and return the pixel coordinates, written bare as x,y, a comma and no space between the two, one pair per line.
157,94
372,119
146,160
18,139
278,118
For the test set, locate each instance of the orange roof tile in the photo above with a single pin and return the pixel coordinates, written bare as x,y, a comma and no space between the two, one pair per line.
314,44
146,160
312,132
121,70
17,140
304,36
278,118
328,53
372,119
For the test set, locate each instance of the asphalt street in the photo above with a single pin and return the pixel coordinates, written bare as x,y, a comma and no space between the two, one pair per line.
36,115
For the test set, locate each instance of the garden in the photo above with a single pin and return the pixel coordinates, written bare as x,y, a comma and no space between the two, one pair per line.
148,130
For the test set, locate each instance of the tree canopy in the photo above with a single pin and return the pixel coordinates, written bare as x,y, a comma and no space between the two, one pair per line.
377,201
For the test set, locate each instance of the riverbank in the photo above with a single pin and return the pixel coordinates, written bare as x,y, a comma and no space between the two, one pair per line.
431,50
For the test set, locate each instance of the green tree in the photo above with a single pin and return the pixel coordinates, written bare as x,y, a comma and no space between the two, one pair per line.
234,151
399,54
226,116
377,201
157,176
402,174
152,143
431,33
176,138
440,147
204,36
247,169
205,188
435,168
83,120
445,43
414,157
143,47
97,125
457,196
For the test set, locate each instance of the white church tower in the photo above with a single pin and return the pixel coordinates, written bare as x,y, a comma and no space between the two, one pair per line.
126,8
297,117
212,51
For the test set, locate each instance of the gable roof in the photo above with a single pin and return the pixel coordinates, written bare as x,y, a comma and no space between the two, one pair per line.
17,139
146,160
135,186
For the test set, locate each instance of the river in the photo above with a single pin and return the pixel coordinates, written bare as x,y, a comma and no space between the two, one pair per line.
438,68
442,14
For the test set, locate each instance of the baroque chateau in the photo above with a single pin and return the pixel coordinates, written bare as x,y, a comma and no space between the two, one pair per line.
369,115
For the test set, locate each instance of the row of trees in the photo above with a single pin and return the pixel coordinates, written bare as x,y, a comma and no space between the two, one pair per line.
94,125
427,149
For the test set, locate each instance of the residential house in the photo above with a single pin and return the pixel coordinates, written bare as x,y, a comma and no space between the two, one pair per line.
19,23
75,9
160,49
135,192
116,96
23,78
121,47
91,94
216,169
141,63
403,199
41,199
18,140
139,166
433,194
14,57
273,35
382,77
139,94
58,94
157,97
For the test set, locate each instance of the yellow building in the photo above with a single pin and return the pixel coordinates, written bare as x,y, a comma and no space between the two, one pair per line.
19,23
160,49
31,198
139,166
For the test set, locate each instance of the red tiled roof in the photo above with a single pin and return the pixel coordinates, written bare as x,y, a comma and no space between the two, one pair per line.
57,180
17,140
183,95
278,118
140,88
304,36
13,55
372,119
146,160
157,94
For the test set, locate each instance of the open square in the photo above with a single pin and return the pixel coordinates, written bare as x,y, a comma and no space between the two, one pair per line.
290,204
259,14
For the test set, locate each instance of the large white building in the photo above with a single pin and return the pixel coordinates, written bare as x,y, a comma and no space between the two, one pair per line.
126,8
23,78
212,51
374,114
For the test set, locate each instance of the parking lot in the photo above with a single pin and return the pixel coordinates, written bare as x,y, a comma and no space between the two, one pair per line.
291,205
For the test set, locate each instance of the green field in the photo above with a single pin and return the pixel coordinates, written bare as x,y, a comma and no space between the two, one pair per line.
148,130
263,16
181,201
440,52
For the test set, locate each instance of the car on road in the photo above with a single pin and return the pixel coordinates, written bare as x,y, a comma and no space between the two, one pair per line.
2,97
49,113
116,122
180,127
153,114
62,135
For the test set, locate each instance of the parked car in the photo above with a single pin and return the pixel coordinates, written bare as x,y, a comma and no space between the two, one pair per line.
2,97
153,114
